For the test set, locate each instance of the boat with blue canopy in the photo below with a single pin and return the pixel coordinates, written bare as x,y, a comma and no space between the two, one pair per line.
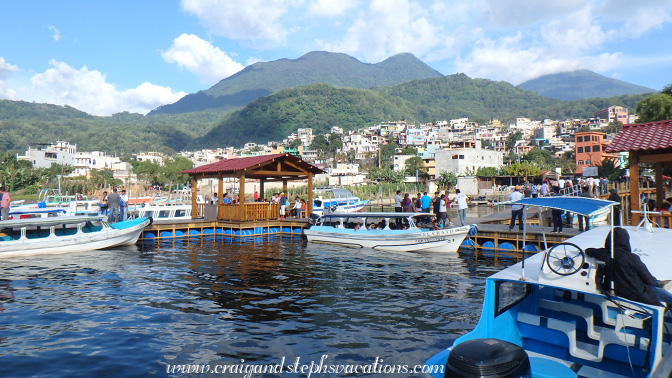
551,316
401,232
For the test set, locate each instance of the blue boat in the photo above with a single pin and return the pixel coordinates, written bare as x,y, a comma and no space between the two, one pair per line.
547,316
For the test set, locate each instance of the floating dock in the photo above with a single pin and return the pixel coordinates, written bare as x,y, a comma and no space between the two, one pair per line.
171,229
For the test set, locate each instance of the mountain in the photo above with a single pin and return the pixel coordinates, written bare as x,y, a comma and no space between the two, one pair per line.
321,106
580,84
264,78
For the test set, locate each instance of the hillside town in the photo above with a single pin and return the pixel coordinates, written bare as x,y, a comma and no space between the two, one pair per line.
461,146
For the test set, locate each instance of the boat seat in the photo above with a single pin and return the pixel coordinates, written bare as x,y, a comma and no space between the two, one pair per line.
597,333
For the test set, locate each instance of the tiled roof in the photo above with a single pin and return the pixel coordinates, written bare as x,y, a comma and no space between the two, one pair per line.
232,165
642,136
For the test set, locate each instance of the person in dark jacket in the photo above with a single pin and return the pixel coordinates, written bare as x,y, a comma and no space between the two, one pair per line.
632,279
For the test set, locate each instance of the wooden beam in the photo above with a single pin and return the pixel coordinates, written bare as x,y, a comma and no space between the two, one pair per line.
220,195
655,158
659,185
634,186
295,166
284,186
309,207
194,192
261,188
274,173
241,194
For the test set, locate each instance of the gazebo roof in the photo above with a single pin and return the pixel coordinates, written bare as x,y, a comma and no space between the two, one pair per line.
276,166
643,136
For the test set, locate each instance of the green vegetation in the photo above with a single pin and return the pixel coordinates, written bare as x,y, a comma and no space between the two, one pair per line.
264,78
657,107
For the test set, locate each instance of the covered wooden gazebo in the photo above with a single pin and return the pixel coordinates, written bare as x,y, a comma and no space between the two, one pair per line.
649,142
267,168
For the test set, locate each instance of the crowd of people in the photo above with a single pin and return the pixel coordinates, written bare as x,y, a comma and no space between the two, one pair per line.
437,206
286,207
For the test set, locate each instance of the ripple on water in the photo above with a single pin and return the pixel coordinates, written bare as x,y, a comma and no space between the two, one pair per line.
129,312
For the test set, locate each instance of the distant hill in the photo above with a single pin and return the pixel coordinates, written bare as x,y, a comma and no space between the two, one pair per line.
264,78
321,106
581,84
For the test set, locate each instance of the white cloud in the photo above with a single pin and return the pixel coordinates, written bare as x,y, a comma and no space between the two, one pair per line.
88,91
390,27
256,21
517,13
56,33
6,70
201,58
329,8
639,16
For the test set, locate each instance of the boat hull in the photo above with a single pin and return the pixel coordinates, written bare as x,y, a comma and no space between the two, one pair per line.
444,241
81,241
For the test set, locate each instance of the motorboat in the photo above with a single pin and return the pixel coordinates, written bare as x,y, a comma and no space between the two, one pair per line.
164,212
549,316
47,235
393,232
337,201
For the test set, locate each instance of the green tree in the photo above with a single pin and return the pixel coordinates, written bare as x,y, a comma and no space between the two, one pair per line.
385,175
513,138
487,172
521,169
415,166
655,108
409,151
543,159
446,180
609,169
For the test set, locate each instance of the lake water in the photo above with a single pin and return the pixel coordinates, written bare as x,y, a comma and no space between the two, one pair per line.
135,311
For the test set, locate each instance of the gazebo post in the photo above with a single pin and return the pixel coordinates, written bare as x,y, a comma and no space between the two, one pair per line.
634,186
241,196
261,188
309,207
659,185
194,192
284,187
220,195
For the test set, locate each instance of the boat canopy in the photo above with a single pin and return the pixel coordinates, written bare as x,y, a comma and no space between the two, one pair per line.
50,221
579,205
373,215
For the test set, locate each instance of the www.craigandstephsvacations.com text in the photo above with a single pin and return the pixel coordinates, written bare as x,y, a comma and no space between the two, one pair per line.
307,369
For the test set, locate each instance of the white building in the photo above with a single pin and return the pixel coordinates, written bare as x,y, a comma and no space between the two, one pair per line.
463,160
58,153
86,161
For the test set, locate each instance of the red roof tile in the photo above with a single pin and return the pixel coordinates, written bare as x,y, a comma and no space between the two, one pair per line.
232,165
642,136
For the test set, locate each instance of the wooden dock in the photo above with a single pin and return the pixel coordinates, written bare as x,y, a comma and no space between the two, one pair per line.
171,229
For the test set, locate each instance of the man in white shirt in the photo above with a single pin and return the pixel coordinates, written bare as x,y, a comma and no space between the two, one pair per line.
123,205
516,210
461,200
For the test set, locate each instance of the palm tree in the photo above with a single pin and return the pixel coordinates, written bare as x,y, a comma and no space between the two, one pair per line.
609,169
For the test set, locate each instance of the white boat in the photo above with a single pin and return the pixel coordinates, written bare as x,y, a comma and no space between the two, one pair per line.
337,201
331,229
62,234
164,212
548,317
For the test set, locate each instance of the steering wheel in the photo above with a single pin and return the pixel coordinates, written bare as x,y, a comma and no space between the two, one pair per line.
565,259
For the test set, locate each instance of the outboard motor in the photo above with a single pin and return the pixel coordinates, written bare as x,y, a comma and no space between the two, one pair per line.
312,219
487,358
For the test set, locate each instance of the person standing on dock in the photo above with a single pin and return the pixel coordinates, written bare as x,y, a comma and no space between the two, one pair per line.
516,210
123,205
113,202
461,200
443,211
397,206
4,203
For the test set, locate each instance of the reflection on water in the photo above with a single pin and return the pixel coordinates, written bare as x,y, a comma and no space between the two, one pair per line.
132,311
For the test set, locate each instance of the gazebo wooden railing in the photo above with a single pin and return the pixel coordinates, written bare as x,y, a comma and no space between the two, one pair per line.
251,211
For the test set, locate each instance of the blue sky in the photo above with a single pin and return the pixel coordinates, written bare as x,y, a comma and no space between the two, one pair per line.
104,57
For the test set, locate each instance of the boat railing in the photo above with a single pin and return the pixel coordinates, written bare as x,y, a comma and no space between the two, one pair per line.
661,220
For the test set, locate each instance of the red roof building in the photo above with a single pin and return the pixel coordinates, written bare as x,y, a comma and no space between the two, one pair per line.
649,142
